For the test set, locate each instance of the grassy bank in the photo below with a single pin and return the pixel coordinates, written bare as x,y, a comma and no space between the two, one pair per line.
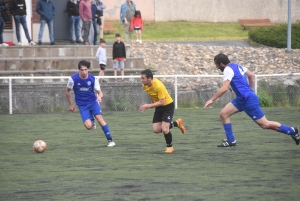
186,31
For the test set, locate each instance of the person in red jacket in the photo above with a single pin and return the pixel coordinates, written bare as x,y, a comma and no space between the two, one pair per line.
137,25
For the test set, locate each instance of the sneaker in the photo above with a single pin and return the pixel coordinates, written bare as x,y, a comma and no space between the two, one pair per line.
94,127
111,144
4,44
140,41
137,41
296,136
180,125
19,43
32,43
169,150
52,43
227,144
40,43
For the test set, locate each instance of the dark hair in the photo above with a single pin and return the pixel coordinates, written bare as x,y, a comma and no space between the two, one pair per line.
148,73
137,12
84,63
118,35
221,58
102,41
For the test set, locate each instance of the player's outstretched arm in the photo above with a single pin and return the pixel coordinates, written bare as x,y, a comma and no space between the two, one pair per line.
152,105
219,93
68,95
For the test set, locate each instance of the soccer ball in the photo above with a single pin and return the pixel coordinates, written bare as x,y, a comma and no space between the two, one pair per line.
39,146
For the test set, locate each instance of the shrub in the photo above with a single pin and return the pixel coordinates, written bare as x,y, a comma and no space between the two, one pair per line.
265,99
276,36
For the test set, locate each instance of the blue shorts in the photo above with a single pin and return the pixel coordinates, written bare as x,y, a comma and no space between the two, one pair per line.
89,111
250,106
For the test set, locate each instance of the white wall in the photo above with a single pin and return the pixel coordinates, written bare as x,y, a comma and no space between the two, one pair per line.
225,10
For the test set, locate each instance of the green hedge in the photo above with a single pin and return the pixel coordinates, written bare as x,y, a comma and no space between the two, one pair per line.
276,36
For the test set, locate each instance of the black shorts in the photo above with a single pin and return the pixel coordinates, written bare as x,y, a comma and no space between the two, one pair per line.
137,28
164,113
102,66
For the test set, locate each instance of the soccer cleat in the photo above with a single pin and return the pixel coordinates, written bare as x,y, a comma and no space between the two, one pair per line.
94,127
169,150
225,143
180,125
111,144
296,136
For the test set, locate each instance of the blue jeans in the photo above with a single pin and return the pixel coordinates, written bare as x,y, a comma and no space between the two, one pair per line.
21,19
74,24
50,27
2,25
95,26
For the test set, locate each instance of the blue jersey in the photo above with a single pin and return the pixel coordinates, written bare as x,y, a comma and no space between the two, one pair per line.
239,82
83,89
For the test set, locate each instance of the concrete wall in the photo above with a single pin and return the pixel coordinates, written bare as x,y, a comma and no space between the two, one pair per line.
208,10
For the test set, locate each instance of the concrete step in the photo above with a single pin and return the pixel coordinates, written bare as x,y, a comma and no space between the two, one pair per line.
54,51
16,65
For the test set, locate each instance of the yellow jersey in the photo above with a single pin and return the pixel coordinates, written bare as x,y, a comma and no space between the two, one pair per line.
158,91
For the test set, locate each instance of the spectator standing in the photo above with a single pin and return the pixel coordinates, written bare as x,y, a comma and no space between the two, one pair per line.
100,8
85,12
101,58
3,16
72,10
46,10
137,25
94,22
19,11
119,56
127,11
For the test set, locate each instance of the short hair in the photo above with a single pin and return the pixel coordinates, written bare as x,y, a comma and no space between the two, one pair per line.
148,73
84,63
102,41
118,35
221,58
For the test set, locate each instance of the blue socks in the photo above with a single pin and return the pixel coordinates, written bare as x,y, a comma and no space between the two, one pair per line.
228,132
107,132
286,129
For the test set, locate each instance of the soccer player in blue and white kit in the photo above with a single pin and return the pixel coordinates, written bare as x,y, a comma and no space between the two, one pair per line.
246,100
84,86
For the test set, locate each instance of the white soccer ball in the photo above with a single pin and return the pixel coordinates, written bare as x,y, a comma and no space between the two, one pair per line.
39,146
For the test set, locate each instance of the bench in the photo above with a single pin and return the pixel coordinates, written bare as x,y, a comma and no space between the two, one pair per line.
255,22
109,27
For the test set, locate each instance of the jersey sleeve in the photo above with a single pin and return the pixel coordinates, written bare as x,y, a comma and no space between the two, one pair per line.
97,85
228,74
70,83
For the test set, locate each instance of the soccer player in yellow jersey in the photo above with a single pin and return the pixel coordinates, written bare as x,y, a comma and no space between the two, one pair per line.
164,108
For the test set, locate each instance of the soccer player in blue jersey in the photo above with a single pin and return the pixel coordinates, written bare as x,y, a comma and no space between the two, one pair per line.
84,86
246,100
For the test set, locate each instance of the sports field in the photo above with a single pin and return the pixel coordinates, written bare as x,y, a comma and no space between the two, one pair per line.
77,165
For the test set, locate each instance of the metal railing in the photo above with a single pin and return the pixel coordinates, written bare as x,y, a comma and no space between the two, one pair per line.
47,94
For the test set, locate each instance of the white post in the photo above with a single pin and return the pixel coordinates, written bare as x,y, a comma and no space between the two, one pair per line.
10,95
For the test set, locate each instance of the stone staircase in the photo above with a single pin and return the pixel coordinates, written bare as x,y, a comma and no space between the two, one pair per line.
59,60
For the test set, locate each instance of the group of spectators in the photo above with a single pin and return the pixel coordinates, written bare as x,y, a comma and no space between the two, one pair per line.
85,16
82,14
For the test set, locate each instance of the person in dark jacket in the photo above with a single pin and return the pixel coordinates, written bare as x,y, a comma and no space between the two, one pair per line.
119,56
72,10
46,10
19,11
3,10
94,21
